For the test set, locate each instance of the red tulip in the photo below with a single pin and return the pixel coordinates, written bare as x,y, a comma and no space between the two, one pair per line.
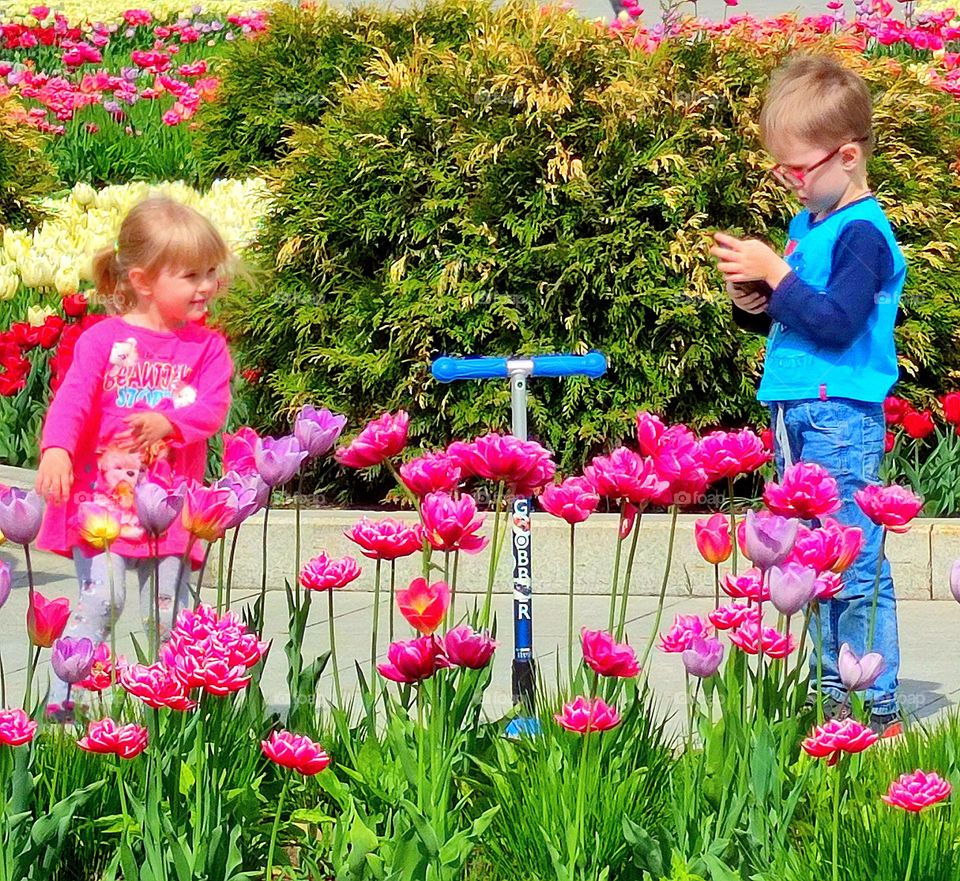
574,500
951,407
381,439
156,686
325,573
626,475
713,539
895,409
916,791
892,507
16,728
525,466
46,619
583,715
466,648
807,492
451,524
386,539
74,305
414,660
919,424
605,656
105,736
830,739
295,751
50,331
430,473
889,441
682,633
766,437
424,605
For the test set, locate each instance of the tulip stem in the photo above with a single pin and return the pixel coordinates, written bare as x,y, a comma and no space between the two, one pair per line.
570,609
733,527
296,571
376,622
622,624
581,788
123,800
113,625
155,577
876,592
180,569
333,648
26,552
675,509
276,826
819,665
233,550
3,681
451,610
393,587
261,612
716,584
223,552
616,567
203,569
913,844
836,825
494,557
31,670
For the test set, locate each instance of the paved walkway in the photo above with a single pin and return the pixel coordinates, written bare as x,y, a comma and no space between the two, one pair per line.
930,677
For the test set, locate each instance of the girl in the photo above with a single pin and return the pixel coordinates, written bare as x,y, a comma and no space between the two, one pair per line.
146,388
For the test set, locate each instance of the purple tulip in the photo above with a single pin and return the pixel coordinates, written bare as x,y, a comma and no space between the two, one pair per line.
251,494
72,659
858,674
157,505
703,657
21,513
792,586
278,458
5,582
955,580
769,538
317,430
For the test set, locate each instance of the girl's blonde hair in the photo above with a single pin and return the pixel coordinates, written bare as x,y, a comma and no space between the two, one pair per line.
819,101
157,234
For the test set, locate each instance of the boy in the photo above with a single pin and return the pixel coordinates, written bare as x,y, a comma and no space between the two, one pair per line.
829,310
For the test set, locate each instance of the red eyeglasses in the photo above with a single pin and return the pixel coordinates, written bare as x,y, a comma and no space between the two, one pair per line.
793,176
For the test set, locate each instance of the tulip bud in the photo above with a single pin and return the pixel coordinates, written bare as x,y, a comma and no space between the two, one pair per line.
703,657
858,674
769,538
792,586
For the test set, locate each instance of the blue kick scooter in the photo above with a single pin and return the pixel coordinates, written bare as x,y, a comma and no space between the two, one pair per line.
519,371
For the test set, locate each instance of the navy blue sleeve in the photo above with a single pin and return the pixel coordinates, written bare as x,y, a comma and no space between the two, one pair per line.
834,318
752,322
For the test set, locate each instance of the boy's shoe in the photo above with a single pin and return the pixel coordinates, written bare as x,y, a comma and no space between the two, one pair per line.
831,707
886,725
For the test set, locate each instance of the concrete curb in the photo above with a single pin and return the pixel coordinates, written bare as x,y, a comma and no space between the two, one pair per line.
921,558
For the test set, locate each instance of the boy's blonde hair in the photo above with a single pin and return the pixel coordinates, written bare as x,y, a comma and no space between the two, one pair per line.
815,99
158,233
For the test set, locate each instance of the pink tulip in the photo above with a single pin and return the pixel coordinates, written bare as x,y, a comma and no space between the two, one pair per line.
156,686
424,605
574,500
832,547
414,659
430,473
713,539
730,616
848,541
703,657
858,674
16,728
954,580
46,619
728,454
106,736
295,751
6,582
583,715
792,586
769,538
749,585
386,539
317,430
380,440
892,507
208,511
605,656
807,492
451,524
627,476
525,466
752,639
464,647
649,431
682,633
240,451
828,585
916,791
326,573
101,673
830,739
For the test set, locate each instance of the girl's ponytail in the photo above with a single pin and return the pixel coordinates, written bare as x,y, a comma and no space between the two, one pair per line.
110,281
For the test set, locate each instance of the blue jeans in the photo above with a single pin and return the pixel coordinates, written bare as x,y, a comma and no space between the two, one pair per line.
846,437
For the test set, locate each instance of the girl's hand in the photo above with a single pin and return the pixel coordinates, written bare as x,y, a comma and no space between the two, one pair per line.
55,475
748,260
144,430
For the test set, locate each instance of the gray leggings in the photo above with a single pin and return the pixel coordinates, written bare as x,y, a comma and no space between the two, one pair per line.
91,616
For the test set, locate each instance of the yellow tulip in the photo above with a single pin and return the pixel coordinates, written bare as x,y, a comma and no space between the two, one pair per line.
37,315
98,527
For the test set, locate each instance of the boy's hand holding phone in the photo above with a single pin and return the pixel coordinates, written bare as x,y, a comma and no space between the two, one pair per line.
750,264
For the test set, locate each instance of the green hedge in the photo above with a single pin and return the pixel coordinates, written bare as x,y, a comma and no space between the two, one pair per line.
25,174
543,187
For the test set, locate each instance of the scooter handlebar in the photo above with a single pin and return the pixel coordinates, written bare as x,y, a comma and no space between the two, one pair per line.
446,369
